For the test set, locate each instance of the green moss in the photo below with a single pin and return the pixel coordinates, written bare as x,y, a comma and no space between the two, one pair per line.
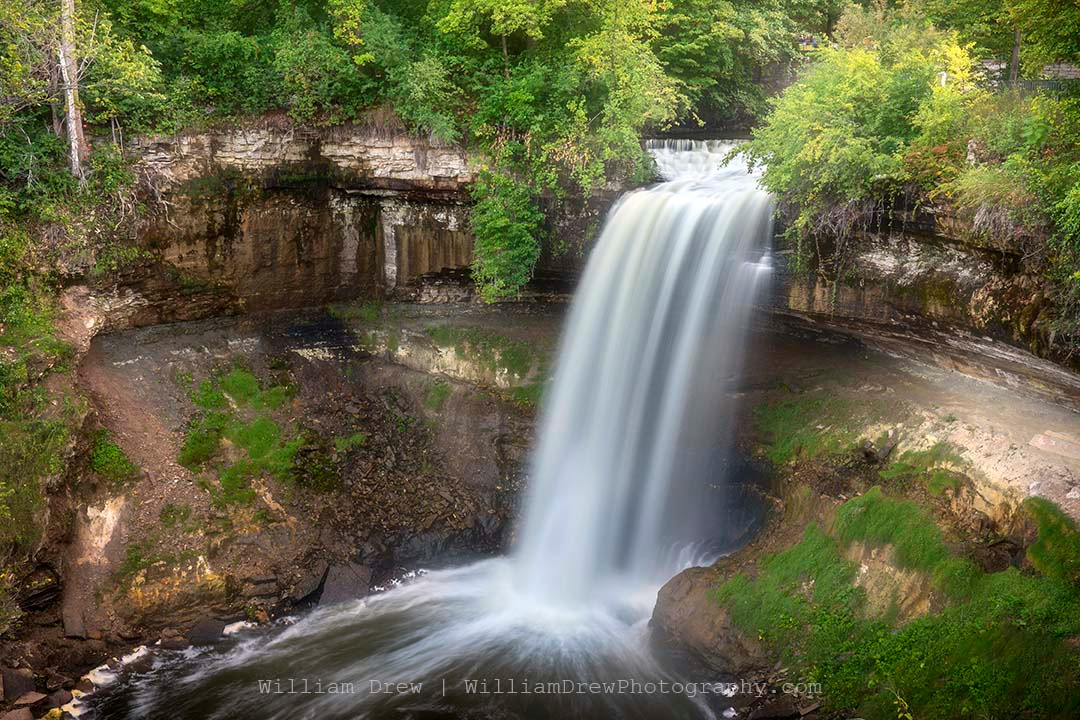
109,461
266,447
974,659
350,442
806,427
878,519
527,396
241,385
367,313
1056,553
208,396
234,484
935,466
437,394
488,348
203,440
258,437
274,398
143,554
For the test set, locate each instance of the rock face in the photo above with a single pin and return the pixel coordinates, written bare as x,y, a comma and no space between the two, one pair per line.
263,218
939,299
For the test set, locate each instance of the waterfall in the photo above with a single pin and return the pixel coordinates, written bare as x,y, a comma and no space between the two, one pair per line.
657,324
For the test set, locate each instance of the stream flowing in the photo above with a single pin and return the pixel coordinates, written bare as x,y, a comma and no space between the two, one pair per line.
627,486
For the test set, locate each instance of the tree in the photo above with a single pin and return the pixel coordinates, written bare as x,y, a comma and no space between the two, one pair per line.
503,17
69,72
1051,29
717,51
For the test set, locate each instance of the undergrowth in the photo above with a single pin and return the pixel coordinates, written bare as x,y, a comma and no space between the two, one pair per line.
110,462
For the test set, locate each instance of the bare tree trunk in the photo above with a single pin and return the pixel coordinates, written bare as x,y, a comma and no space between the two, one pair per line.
69,73
1014,64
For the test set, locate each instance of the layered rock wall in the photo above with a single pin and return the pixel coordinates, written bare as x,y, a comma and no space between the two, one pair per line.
266,218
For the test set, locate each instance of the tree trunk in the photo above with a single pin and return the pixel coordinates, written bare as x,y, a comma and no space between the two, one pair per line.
1014,64
506,59
69,74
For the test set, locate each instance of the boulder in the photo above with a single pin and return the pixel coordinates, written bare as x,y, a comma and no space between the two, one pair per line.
206,632
59,698
18,714
31,698
345,582
310,580
17,682
689,617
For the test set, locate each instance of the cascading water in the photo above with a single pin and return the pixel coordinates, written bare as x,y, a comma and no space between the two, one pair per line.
660,315
630,445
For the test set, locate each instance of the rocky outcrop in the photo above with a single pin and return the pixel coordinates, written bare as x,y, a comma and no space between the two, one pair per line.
689,616
265,217
937,298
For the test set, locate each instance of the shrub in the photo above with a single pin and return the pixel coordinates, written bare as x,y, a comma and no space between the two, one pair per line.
507,226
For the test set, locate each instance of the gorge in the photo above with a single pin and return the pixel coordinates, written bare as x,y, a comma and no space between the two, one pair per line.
456,359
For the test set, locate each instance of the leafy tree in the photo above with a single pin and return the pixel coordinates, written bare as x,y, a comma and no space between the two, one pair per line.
837,136
718,51
1050,29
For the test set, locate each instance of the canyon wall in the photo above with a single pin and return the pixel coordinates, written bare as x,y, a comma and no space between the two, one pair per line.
263,218
268,217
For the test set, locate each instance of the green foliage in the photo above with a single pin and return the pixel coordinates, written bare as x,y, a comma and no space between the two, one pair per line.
317,76
716,49
837,137
1056,553
972,659
31,449
1050,30
109,461
875,118
507,227
367,313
